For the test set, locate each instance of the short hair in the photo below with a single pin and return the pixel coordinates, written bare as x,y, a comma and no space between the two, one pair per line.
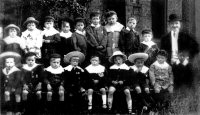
95,13
30,54
147,31
162,53
79,19
54,56
110,13
132,18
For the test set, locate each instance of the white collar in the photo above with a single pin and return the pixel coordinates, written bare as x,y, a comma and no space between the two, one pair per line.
13,69
27,32
66,35
59,70
70,67
123,66
10,40
26,67
162,66
81,32
50,32
149,43
95,26
127,28
143,70
95,69
115,27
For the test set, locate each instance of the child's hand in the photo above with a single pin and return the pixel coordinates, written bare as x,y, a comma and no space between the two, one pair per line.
82,90
61,88
121,82
99,47
96,81
49,87
114,82
47,41
25,87
138,89
186,61
39,86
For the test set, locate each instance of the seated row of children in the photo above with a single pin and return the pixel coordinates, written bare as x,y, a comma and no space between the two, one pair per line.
90,40
54,88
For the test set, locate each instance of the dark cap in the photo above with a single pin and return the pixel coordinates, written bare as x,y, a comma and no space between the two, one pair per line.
174,17
146,31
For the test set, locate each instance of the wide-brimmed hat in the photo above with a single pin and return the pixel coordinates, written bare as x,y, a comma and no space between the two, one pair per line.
174,17
74,54
134,56
31,19
117,53
8,54
12,26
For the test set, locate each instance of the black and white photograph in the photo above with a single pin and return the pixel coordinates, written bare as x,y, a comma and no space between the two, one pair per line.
99,57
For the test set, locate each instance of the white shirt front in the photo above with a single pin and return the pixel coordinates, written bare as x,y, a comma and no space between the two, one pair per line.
174,41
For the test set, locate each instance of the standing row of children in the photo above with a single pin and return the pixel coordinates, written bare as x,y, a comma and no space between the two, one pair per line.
111,44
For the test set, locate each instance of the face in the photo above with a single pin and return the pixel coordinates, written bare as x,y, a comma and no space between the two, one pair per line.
96,20
132,23
118,60
74,61
147,37
95,61
30,61
9,62
12,32
112,20
49,25
80,26
55,63
139,62
175,25
65,27
161,59
31,26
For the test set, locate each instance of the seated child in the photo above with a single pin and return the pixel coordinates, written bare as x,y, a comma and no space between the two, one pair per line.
96,80
32,37
51,40
148,46
96,37
79,36
118,76
113,28
161,76
140,78
75,80
13,42
129,41
32,82
11,83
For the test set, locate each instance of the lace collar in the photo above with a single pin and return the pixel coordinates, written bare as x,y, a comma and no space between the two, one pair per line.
70,67
149,44
34,32
115,27
123,66
143,70
13,69
162,66
95,69
66,35
9,40
81,32
49,32
26,67
95,26
59,70
127,28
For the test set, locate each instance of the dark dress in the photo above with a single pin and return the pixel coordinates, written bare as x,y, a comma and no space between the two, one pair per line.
11,82
66,45
50,48
129,42
96,37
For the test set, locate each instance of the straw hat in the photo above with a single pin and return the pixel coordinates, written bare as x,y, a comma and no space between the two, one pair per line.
134,56
74,54
10,54
12,26
31,19
117,53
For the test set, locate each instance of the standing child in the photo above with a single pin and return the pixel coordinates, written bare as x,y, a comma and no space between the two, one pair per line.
53,78
96,37
75,81
118,76
148,46
32,85
140,79
32,37
51,40
129,41
161,77
11,84
113,29
79,36
66,37
13,42
96,81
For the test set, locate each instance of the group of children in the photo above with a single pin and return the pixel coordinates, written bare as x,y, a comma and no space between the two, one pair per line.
60,68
